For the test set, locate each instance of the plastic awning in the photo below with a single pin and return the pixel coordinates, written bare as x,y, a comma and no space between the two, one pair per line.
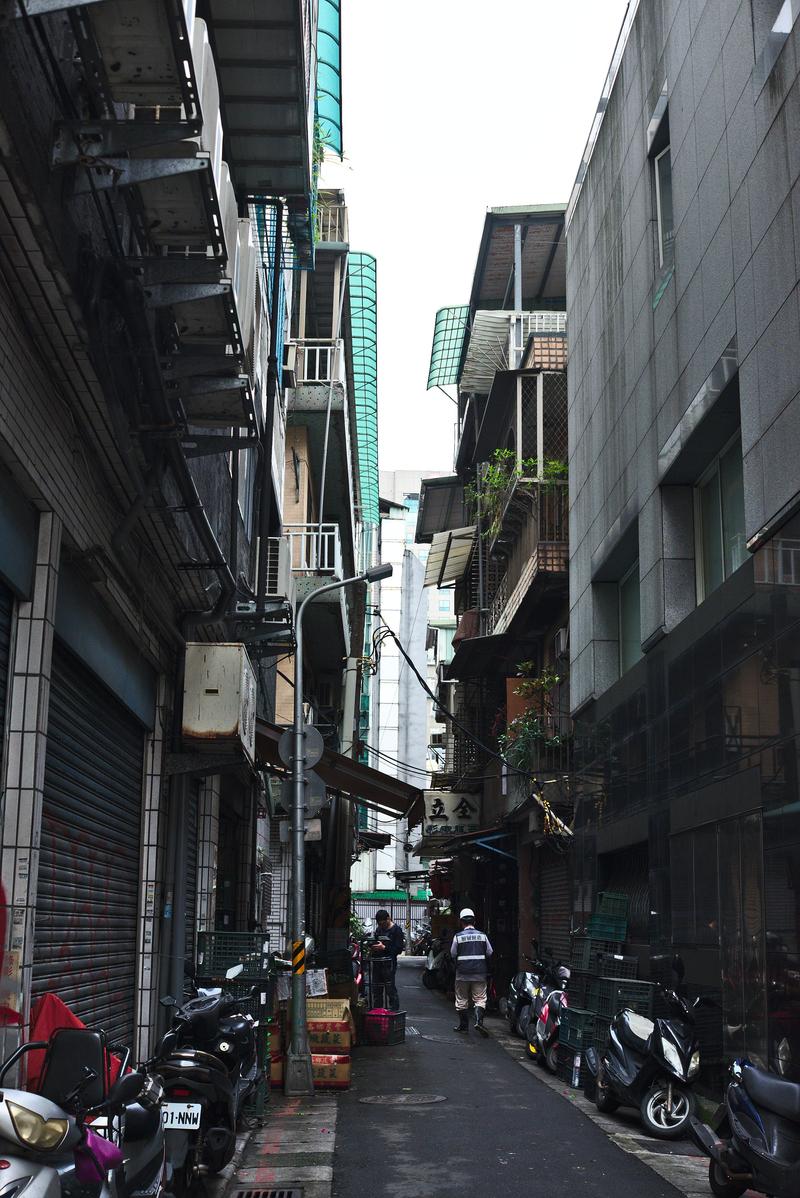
360,783
449,331
441,507
449,556
363,292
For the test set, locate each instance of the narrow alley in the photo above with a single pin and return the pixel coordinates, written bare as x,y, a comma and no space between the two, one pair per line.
486,1124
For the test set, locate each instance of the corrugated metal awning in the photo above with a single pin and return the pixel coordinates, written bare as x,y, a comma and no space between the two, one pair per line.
441,507
489,344
449,556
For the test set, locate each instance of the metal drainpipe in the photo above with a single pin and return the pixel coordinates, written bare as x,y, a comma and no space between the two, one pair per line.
265,505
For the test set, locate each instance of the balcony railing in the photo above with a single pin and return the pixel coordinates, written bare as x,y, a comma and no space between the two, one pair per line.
318,361
536,520
332,223
315,549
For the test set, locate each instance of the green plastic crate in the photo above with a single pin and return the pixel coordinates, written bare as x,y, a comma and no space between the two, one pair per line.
608,927
575,1028
615,965
600,1030
585,952
609,903
217,952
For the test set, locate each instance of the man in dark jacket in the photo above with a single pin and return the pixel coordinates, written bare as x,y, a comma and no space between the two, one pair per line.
470,950
389,943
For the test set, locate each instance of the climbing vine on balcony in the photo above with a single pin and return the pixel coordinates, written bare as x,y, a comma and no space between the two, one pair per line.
488,494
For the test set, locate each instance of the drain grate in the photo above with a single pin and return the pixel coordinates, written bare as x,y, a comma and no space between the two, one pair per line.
293,1193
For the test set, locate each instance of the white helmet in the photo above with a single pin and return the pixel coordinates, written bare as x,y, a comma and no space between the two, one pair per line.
467,913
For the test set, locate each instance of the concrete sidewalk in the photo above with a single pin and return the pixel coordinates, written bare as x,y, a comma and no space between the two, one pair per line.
294,1149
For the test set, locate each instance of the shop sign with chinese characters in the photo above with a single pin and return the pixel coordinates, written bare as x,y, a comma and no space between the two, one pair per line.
449,813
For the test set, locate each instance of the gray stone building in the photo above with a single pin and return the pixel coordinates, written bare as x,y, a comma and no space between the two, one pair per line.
684,430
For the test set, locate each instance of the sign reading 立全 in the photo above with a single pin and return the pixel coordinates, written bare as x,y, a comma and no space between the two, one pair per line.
451,813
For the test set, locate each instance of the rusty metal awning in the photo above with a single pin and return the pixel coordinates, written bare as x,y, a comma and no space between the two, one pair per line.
361,783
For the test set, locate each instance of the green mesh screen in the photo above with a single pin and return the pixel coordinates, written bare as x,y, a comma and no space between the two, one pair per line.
329,75
452,325
363,288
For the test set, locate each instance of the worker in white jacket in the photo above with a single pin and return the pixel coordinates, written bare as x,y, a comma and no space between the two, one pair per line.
470,950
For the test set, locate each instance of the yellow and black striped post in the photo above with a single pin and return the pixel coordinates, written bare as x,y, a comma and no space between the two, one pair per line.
298,956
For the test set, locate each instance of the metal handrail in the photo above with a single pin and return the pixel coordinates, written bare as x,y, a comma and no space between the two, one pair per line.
315,548
319,360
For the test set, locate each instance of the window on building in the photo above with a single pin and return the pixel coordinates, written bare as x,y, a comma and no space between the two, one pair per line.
444,603
662,166
630,621
719,510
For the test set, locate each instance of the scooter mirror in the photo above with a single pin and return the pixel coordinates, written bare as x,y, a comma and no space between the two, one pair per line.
234,971
168,1001
125,1089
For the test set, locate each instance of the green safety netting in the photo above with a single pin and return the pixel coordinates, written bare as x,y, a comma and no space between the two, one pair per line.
363,287
329,75
452,326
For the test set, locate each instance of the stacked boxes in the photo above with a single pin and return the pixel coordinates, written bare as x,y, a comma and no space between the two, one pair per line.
330,1036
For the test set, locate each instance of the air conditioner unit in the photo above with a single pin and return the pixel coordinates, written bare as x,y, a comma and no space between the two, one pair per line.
290,365
561,643
219,699
437,739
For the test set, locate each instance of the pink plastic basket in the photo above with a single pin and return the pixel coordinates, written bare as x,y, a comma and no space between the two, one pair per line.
382,1027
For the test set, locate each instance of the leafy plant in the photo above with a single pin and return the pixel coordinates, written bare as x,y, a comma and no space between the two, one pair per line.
524,738
541,685
488,494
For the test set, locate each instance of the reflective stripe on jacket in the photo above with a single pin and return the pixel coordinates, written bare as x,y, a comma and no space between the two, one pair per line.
470,950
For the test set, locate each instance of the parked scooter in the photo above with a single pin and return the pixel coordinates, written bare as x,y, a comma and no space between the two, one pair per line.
209,1065
545,1018
439,972
421,940
650,1064
755,1144
49,1139
523,989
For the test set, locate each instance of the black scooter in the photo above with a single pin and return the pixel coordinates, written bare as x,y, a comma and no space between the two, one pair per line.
209,1066
756,1144
542,1033
523,989
650,1064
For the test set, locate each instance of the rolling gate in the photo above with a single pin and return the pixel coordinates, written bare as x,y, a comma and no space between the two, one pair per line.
88,893
6,615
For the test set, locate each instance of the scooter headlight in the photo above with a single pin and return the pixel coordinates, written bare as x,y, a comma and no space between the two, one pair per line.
45,1135
694,1064
672,1057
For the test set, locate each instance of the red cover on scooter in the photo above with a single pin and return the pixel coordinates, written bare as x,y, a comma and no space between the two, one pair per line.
49,1015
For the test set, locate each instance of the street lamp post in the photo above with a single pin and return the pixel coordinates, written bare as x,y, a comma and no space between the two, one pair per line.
298,1078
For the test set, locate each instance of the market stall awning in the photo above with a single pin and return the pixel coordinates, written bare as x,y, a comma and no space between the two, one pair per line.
359,782
449,556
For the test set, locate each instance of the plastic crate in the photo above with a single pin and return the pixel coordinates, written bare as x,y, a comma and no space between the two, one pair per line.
609,903
602,997
217,952
615,965
640,997
382,1028
247,1003
575,1028
608,927
578,989
565,1066
256,1103
586,950
600,1030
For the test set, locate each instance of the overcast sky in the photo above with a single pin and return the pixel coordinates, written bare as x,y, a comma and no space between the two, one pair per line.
452,107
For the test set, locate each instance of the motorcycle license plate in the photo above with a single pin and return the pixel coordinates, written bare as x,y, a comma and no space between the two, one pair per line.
184,1115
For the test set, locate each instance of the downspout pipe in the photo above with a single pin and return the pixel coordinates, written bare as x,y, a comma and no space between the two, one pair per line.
265,505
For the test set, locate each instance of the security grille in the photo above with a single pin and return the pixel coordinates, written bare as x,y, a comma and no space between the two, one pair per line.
293,1193
554,411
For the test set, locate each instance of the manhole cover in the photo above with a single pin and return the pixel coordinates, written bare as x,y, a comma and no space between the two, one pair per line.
403,1099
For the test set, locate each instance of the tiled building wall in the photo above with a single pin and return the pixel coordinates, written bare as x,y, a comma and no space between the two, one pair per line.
643,342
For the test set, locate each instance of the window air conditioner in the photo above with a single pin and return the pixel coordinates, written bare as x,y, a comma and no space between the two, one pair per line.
561,643
290,365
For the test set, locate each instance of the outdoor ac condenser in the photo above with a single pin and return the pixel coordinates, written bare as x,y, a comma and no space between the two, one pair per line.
219,699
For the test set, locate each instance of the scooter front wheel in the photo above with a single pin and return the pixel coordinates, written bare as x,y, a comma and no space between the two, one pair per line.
721,1184
604,1100
661,1119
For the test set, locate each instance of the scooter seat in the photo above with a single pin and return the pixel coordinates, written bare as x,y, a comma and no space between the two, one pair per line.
635,1031
141,1122
773,1093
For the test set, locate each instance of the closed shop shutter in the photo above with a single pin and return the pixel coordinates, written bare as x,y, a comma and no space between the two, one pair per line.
192,807
555,903
87,898
6,612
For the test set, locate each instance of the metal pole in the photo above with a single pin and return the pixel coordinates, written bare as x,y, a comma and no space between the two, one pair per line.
299,1077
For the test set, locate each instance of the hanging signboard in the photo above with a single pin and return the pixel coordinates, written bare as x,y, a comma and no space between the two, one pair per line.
451,813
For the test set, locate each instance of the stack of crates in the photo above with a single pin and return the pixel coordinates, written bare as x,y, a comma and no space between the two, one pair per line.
596,959
574,1037
217,952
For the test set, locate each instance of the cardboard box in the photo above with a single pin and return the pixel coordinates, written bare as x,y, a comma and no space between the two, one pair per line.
331,1072
330,1035
333,1009
276,1069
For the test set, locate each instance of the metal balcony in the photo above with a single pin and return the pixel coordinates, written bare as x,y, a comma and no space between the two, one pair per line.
535,524
332,224
316,557
315,549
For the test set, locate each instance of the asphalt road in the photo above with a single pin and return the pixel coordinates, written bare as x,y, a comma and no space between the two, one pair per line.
499,1131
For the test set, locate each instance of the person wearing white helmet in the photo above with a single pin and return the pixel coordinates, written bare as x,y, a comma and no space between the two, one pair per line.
470,950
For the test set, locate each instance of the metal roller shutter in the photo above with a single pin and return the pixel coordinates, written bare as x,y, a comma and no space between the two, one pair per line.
555,896
192,809
87,898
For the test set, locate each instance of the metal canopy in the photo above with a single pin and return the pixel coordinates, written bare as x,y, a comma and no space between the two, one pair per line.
147,57
263,53
449,556
441,507
489,344
544,271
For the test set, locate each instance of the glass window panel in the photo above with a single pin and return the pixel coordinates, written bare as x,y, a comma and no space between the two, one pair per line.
680,868
630,623
706,892
711,530
666,230
732,492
